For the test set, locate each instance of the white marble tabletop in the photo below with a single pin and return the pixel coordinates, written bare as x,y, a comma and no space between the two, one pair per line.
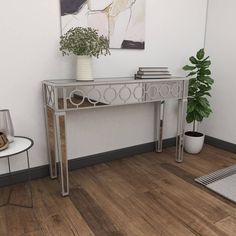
20,144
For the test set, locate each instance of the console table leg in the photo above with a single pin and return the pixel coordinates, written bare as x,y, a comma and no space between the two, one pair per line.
51,136
159,120
62,151
182,106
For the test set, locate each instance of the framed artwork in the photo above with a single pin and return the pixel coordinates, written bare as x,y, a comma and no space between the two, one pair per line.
121,21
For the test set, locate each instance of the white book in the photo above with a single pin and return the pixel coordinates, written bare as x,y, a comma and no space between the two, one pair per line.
153,73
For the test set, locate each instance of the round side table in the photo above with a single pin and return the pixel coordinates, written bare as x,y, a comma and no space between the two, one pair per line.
19,145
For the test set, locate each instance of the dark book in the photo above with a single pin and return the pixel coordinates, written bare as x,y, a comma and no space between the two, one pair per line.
153,68
152,76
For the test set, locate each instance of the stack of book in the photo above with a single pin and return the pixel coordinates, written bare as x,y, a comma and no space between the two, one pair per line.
153,73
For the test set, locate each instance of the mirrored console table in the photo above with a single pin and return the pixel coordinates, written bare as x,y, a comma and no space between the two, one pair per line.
62,96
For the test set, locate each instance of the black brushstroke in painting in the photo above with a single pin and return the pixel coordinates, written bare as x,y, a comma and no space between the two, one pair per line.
71,6
128,44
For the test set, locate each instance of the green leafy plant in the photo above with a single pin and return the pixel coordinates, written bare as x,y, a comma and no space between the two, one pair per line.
84,42
200,84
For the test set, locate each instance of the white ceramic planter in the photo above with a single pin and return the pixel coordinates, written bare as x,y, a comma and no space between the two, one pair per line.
193,142
84,68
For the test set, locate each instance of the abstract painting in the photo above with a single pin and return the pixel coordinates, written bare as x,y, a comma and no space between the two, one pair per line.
121,21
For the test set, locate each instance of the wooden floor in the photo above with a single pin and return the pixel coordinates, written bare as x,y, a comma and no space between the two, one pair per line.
146,195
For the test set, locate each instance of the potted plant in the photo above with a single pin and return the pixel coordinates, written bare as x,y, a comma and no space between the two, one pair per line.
198,105
85,43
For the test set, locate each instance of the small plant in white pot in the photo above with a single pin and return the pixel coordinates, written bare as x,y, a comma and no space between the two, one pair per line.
84,43
198,105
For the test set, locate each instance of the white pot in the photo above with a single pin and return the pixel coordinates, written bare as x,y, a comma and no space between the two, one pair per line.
193,142
84,68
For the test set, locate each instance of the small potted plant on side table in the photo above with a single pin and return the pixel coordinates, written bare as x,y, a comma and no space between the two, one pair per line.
198,105
85,43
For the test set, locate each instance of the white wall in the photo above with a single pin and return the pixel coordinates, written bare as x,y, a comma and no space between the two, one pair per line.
29,54
221,46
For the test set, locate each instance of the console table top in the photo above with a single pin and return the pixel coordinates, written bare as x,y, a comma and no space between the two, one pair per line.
108,80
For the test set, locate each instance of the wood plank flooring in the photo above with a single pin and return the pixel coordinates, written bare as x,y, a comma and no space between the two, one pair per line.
144,195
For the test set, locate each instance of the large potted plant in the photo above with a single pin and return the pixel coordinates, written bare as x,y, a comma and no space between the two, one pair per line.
85,43
198,105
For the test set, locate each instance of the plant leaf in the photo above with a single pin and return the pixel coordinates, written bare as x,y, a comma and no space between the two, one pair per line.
206,80
200,54
190,118
206,63
192,73
207,72
193,60
187,67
